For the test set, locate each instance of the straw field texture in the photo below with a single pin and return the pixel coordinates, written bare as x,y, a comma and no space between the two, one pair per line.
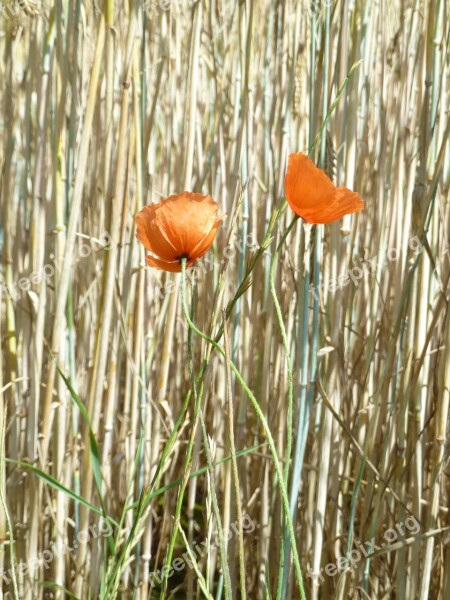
272,423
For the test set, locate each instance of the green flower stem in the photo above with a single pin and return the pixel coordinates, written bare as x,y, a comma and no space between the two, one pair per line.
188,468
222,549
234,467
266,429
290,389
186,474
201,580
246,282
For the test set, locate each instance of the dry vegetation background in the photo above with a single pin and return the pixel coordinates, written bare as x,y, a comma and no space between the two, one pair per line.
107,107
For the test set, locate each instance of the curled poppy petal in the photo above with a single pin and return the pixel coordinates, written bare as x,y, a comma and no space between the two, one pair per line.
313,196
181,226
151,236
205,244
162,265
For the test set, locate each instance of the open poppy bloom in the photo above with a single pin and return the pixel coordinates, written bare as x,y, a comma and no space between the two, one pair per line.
313,196
181,226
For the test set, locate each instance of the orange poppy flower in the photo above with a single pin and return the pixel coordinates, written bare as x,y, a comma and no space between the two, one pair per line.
181,226
313,196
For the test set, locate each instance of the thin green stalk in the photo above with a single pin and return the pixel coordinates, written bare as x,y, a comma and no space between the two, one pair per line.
306,395
326,424
234,467
334,104
201,580
179,505
269,437
177,482
222,548
188,467
145,498
284,557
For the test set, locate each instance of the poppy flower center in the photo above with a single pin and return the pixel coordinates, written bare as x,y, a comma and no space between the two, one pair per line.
184,255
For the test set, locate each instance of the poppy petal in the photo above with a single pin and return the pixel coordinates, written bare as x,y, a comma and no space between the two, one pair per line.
151,236
162,265
186,219
313,196
342,202
305,184
206,243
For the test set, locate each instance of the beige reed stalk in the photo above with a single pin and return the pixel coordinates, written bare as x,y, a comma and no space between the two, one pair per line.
71,233
101,348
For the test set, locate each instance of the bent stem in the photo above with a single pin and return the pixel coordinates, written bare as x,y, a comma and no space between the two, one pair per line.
290,391
265,426
247,278
188,467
